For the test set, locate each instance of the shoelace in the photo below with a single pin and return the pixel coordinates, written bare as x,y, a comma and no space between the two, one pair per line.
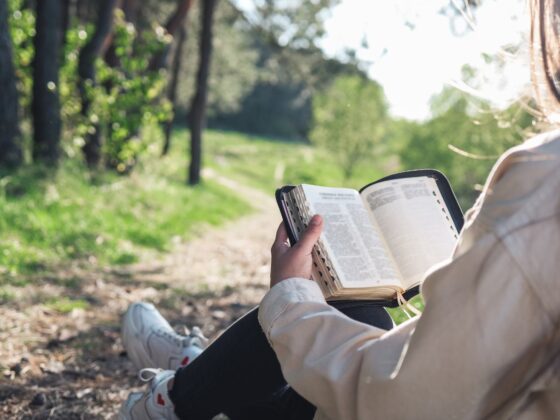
147,374
175,338
195,338
196,333
158,389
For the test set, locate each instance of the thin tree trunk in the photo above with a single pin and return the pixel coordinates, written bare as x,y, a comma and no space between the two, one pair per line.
46,104
79,10
10,147
198,107
130,9
172,26
173,83
64,24
86,71
175,23
130,12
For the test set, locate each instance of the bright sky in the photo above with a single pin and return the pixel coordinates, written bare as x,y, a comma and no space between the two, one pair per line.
414,61
413,53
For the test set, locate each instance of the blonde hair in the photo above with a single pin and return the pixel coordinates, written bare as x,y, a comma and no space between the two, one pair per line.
545,56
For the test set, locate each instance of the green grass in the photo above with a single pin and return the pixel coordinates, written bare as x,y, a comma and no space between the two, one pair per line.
6,295
48,219
399,314
268,163
65,305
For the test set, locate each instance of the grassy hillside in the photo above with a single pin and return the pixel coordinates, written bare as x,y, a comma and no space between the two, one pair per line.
268,163
51,219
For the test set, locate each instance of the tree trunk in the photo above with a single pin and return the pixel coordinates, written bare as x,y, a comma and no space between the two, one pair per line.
86,71
79,10
10,147
173,83
174,24
46,104
198,106
64,24
85,10
130,12
130,9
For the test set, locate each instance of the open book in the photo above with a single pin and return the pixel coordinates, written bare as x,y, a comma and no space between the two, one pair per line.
380,241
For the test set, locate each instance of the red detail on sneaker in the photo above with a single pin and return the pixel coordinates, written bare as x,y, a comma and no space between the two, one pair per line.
185,361
160,400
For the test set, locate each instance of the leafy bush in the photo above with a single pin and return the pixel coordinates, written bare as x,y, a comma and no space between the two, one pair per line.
128,95
350,120
22,31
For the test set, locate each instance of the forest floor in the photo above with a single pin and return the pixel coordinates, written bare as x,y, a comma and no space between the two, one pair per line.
66,361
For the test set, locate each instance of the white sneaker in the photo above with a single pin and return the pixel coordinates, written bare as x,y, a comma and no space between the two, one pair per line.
150,342
152,404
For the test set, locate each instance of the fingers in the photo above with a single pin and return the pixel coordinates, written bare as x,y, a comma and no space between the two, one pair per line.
311,234
281,239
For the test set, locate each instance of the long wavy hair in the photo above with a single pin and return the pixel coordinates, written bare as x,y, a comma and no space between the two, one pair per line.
545,56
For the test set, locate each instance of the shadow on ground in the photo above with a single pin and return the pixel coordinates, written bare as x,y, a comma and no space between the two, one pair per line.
69,363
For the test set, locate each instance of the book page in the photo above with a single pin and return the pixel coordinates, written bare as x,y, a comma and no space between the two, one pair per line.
357,250
415,223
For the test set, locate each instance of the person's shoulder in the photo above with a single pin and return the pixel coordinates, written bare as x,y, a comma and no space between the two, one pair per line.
520,208
542,148
547,141
522,188
527,168
541,152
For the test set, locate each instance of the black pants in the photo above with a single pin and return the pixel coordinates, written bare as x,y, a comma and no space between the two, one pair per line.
239,374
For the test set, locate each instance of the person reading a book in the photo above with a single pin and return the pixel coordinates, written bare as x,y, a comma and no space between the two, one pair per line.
487,344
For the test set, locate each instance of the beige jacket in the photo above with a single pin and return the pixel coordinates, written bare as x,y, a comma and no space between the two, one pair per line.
488,343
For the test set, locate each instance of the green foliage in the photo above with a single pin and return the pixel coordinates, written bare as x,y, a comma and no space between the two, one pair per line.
463,140
250,89
70,101
350,120
129,95
22,31
299,24
51,219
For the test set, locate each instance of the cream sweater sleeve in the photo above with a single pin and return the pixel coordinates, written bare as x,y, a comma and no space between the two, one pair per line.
442,365
321,350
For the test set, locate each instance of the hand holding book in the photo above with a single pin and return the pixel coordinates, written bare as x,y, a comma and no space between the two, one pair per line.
296,261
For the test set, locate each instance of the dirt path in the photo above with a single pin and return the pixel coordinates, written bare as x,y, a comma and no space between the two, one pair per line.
72,365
